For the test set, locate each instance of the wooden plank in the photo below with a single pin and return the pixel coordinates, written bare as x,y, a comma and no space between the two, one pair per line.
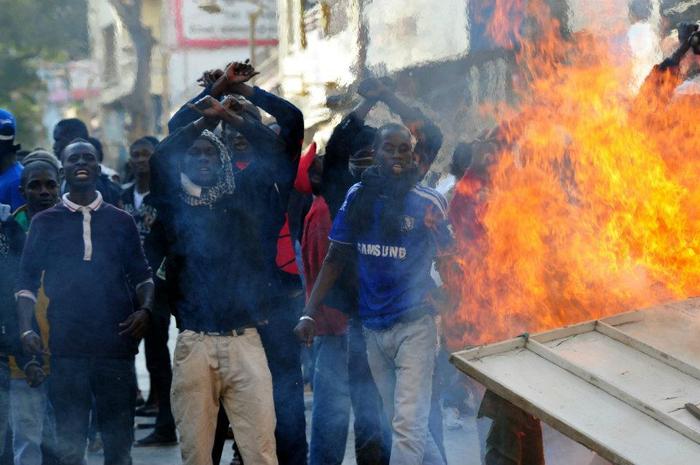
625,318
642,376
613,390
651,351
544,415
580,410
670,328
491,349
566,331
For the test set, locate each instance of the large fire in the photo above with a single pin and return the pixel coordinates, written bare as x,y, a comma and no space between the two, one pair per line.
594,206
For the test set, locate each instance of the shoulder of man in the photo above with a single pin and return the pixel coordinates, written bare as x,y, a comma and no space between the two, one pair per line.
431,197
118,214
350,195
50,214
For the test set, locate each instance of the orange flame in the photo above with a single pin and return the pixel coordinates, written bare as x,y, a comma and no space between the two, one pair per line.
594,206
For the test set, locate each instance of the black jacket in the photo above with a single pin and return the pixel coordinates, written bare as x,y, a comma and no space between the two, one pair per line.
265,185
11,243
214,260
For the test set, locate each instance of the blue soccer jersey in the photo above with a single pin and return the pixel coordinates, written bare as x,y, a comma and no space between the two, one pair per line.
394,273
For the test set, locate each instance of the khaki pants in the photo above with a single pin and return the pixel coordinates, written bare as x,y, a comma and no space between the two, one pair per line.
228,369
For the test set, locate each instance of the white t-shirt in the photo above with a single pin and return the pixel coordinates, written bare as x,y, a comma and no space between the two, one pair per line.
138,198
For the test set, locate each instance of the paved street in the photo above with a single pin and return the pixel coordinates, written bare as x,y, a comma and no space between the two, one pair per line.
462,445
461,448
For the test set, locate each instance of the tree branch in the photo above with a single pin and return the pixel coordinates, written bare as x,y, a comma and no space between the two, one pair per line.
138,103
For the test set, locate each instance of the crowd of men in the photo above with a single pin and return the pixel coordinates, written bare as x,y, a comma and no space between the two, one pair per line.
256,250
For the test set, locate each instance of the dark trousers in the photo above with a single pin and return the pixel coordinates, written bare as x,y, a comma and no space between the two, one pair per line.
159,365
283,353
73,383
284,358
372,431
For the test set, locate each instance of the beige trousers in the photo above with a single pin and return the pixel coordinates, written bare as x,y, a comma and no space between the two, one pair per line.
232,370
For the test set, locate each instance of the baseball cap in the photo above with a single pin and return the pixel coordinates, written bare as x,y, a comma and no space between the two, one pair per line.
8,128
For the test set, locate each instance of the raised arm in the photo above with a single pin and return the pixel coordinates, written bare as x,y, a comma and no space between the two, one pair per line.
186,114
288,117
213,85
428,135
233,80
336,178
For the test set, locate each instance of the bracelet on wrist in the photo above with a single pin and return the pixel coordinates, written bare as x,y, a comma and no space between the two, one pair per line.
307,318
26,333
33,361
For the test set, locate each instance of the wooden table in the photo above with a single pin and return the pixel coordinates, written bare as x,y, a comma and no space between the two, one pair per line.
617,385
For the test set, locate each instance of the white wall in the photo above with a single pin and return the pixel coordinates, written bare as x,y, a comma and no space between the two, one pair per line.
186,66
100,16
404,34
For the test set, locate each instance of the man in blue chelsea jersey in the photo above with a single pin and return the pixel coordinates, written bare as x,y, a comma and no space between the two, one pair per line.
397,228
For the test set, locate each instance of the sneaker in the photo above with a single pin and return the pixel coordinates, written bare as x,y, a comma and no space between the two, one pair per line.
156,440
452,419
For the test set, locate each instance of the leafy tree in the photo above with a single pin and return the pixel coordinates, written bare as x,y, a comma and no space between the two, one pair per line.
32,32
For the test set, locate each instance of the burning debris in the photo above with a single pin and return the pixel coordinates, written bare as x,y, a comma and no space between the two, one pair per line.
591,203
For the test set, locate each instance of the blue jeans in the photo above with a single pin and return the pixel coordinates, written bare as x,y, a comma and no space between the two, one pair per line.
31,424
284,359
4,400
330,415
73,384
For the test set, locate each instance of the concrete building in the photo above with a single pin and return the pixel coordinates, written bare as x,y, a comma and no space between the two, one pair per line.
427,47
190,36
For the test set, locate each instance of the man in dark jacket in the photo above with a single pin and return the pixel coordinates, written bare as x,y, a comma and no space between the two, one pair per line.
137,201
89,257
11,243
212,273
264,180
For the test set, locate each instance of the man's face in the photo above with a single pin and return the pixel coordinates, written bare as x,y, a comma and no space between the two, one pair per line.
393,152
41,188
202,163
139,158
237,144
80,165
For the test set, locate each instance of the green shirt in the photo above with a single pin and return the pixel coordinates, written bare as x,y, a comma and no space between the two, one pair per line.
22,218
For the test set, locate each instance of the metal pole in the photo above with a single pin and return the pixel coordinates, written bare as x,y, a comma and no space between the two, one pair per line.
253,17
